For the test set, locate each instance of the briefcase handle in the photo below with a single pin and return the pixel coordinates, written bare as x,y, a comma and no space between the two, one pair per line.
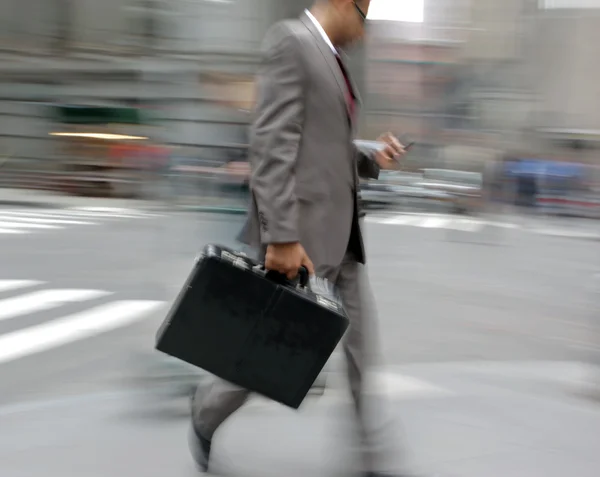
301,280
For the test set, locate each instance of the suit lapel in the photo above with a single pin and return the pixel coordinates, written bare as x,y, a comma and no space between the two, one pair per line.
355,91
329,58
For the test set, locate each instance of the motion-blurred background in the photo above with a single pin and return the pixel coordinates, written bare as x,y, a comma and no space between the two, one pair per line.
123,138
107,98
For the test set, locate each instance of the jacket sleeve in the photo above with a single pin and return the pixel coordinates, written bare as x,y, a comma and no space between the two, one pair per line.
366,164
275,136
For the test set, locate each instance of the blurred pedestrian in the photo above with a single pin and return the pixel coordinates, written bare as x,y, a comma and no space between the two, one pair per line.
304,181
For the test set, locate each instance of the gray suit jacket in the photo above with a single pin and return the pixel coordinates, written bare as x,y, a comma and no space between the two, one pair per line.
305,166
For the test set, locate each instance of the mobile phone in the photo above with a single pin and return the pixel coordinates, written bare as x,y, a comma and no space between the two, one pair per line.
406,141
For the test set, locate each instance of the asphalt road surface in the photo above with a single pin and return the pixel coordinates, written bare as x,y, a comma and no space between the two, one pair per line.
441,294
80,301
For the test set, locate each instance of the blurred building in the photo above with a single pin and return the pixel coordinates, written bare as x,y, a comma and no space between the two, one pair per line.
566,67
507,75
134,26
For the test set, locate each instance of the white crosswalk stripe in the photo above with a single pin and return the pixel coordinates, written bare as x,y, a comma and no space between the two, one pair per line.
42,220
474,224
431,221
7,285
388,384
10,231
555,232
91,312
43,300
25,221
25,225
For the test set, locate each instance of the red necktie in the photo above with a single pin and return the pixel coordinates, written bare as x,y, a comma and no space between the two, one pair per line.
350,99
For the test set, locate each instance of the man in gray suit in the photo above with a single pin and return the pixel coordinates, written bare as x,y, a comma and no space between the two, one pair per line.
304,184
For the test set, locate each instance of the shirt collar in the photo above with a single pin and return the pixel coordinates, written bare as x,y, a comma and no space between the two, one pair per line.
321,31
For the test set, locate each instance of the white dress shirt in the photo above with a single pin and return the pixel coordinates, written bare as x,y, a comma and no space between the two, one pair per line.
349,91
321,31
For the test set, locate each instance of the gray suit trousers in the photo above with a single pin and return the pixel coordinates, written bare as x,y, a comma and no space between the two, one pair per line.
212,406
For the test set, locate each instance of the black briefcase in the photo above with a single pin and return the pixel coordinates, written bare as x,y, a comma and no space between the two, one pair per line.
254,328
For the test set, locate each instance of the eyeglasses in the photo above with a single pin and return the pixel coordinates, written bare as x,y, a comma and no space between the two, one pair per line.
360,12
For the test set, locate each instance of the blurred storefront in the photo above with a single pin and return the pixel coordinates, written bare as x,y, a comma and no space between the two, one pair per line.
104,151
470,83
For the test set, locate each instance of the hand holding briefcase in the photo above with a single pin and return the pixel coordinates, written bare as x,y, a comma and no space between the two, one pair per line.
252,327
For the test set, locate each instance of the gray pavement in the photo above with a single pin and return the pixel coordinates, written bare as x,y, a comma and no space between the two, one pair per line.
485,337
482,425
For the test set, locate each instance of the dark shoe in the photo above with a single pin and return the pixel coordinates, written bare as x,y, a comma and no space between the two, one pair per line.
200,449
